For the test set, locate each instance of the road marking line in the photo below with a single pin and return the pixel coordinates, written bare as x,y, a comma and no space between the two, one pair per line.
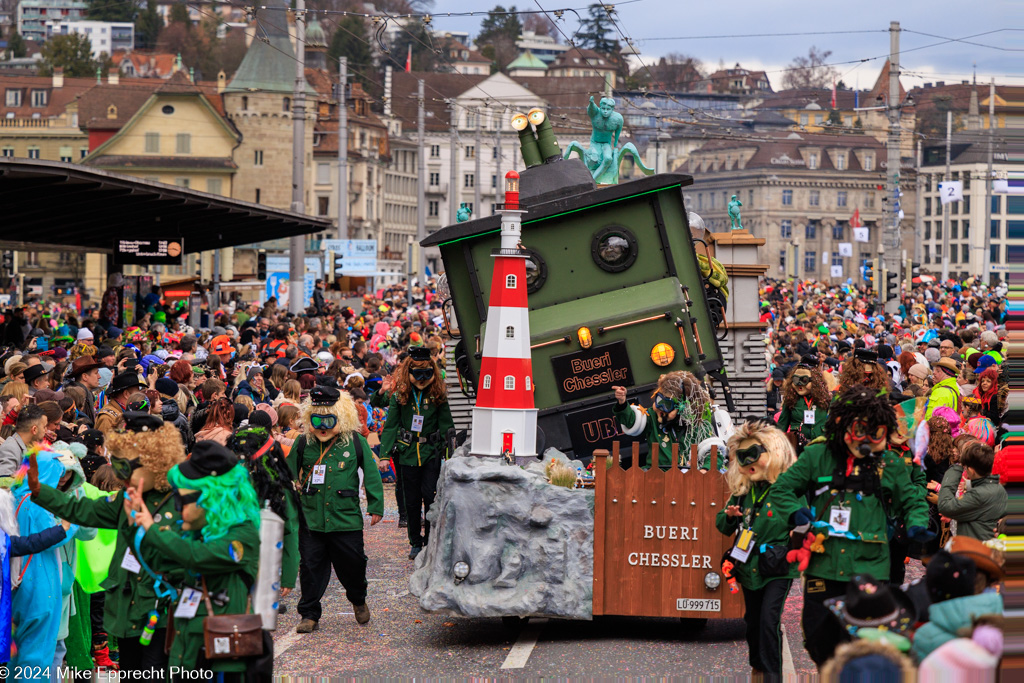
788,669
520,652
285,642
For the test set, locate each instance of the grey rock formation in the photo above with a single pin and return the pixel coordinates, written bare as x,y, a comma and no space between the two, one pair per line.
529,545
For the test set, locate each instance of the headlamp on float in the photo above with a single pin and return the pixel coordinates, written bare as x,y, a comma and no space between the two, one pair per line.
663,354
586,339
712,580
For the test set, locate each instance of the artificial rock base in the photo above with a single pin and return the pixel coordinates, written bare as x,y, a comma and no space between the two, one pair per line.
529,545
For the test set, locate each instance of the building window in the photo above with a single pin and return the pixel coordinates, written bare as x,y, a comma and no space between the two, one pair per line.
927,230
152,144
837,231
841,198
810,261
869,162
487,381
812,158
952,253
435,151
39,98
837,260
183,143
323,174
938,251
257,195
994,253
527,383
938,230
782,260
286,104
965,253
811,232
803,119
510,383
83,152
245,102
750,199
967,202
869,200
470,152
954,229
510,332
494,151
997,204
840,162
927,254
468,180
33,152
927,206
257,157
435,179
786,229
13,98
432,208
8,151
510,282
323,205
1015,205
32,258
818,118
814,198
183,182
787,197
995,228
469,205
700,201
214,185
494,181
1015,230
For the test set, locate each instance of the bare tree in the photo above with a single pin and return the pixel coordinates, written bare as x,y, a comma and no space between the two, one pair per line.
541,24
674,71
811,71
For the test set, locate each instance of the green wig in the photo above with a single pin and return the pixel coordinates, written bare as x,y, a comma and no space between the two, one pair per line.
228,499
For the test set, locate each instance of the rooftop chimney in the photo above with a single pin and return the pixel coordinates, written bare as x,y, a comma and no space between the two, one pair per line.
58,77
114,77
222,81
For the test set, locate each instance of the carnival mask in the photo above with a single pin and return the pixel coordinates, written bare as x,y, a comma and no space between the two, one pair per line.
864,441
421,375
748,455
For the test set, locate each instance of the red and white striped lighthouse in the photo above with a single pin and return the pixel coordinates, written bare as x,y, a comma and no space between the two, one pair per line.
504,419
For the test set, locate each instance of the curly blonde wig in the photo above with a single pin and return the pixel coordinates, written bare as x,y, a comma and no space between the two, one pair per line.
158,450
779,451
344,409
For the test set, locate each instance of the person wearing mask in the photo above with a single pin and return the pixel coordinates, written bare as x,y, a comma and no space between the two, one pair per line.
29,430
805,402
946,391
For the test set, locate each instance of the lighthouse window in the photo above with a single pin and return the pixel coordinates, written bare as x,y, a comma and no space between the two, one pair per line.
614,248
487,381
527,383
510,383
510,282
510,332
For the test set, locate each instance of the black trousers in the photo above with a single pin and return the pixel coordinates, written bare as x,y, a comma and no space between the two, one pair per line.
96,603
763,617
898,549
134,656
419,484
399,493
318,552
822,631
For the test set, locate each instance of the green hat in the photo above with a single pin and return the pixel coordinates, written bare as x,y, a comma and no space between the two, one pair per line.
160,317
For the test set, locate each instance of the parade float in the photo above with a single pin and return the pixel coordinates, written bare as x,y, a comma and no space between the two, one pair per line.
570,289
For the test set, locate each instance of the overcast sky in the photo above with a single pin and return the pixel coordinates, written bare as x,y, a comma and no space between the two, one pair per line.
679,22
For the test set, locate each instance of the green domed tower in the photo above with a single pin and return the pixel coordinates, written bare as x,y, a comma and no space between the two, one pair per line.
316,44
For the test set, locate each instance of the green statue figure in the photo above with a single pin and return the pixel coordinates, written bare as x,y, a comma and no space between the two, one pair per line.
734,213
463,213
604,155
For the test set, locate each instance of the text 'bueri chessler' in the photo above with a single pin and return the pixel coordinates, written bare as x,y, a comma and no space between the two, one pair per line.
672,533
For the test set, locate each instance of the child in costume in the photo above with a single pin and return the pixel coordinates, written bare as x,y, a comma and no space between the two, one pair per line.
848,478
681,413
328,458
417,436
758,454
805,400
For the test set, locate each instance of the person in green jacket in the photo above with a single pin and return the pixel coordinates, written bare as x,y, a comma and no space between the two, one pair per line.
805,401
850,475
213,555
680,413
328,457
417,436
141,456
977,513
758,454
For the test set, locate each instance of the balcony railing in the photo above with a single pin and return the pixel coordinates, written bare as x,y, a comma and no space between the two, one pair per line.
440,188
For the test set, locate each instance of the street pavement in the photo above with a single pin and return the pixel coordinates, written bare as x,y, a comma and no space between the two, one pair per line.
403,641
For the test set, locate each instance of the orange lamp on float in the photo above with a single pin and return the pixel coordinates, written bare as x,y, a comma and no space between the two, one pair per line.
663,354
586,339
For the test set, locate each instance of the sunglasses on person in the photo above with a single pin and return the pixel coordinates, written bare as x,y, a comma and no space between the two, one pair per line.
801,380
348,357
748,456
861,432
422,374
323,421
181,500
123,468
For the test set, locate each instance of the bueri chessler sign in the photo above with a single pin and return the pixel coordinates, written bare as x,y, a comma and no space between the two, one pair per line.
670,560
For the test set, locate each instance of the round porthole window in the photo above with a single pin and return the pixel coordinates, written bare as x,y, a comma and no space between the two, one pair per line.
168,109
614,248
536,272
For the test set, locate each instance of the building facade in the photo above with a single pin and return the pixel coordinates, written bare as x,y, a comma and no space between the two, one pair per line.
33,16
104,36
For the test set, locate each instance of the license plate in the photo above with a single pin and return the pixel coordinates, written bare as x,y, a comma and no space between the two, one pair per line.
695,605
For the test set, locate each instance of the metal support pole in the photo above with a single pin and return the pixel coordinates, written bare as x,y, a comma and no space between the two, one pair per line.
343,148
986,257
453,196
945,207
408,290
297,245
215,289
499,192
476,166
421,189
891,231
918,214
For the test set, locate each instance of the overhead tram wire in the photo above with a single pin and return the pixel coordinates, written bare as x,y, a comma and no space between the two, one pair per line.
475,13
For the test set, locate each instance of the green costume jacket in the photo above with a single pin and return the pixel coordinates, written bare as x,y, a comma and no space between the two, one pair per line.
792,419
638,421
979,510
437,420
229,565
769,527
290,554
866,548
129,595
334,504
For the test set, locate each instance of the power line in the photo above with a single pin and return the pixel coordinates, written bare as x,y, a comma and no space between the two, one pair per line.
765,35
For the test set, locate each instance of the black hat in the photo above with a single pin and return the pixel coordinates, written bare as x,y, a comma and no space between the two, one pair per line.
842,346
142,422
125,381
92,438
104,352
304,365
324,396
870,603
947,577
209,459
778,374
866,356
259,418
885,352
419,353
241,413
34,373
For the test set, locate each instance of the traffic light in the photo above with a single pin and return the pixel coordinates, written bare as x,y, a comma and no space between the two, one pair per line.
913,271
338,262
892,286
871,274
7,264
261,265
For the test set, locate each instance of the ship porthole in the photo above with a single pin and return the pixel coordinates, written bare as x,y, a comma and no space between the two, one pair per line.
614,248
536,272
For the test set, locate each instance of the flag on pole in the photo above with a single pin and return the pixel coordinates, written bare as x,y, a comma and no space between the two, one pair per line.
833,93
951,191
855,219
408,59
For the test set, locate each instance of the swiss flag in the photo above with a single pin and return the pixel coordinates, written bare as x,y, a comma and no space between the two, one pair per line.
855,220
408,59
